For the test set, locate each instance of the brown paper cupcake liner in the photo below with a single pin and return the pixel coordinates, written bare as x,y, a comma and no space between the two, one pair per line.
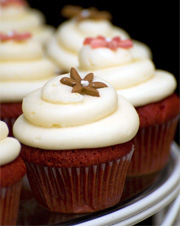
79,189
9,203
136,185
152,148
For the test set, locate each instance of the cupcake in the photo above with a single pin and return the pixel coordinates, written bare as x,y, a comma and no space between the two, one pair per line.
18,15
76,142
151,91
12,170
82,23
23,68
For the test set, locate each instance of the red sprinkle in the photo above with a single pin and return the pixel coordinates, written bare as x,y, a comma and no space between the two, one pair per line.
114,43
12,2
12,35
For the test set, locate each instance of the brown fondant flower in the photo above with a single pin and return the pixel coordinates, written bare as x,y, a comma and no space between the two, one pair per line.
83,86
70,11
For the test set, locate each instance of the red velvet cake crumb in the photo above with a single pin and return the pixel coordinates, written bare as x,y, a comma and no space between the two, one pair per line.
74,158
10,109
12,172
159,112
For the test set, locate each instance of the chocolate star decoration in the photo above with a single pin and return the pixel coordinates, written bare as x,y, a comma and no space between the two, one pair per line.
70,11
83,86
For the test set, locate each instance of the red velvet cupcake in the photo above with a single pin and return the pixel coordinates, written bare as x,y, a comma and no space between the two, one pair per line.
12,170
76,149
150,91
23,69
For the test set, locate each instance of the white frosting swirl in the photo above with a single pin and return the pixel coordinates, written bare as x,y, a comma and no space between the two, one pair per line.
103,57
23,68
135,79
56,118
9,146
9,50
64,49
24,18
66,108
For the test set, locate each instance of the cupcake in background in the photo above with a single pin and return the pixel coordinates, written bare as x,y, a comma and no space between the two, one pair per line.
23,68
151,91
18,15
64,46
76,142
12,171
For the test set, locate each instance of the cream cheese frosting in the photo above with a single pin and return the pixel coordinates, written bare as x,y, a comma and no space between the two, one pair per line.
23,68
55,118
64,49
9,146
135,79
24,18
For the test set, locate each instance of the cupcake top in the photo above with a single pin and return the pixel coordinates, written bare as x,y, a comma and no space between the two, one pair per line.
23,66
134,78
82,23
17,15
9,146
73,113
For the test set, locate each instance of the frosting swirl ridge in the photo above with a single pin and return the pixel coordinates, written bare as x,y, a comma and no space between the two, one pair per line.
66,108
22,65
24,18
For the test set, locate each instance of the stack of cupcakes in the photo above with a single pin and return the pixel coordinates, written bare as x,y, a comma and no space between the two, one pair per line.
23,68
88,136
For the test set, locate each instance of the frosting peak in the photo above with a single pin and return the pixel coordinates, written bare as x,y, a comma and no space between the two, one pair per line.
68,108
98,58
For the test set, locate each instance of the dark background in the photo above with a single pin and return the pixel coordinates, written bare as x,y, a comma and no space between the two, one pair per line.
154,22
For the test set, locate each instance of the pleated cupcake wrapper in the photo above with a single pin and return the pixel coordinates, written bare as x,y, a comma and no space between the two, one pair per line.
152,148
9,203
79,190
136,185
